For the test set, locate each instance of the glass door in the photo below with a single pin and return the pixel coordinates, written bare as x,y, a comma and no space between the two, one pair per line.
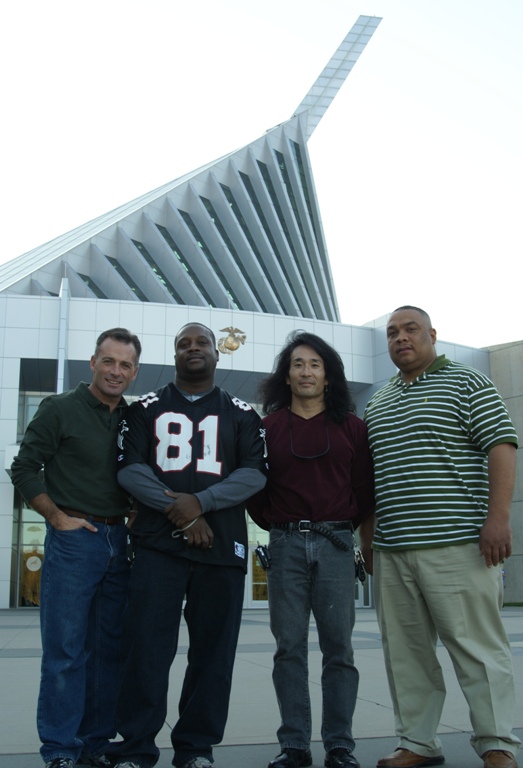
256,586
31,538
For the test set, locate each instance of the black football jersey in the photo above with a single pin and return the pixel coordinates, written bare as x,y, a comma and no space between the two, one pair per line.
191,446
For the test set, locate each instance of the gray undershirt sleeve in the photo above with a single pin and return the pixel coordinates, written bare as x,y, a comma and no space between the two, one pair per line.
140,481
235,489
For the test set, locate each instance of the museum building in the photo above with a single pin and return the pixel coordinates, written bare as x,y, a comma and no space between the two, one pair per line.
237,245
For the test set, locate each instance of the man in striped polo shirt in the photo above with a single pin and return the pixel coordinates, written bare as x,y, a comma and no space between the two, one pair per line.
444,451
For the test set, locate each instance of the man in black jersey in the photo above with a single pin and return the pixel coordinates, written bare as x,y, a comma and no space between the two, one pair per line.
191,454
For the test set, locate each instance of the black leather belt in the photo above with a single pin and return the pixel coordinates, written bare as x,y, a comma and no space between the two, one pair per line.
310,525
114,520
324,529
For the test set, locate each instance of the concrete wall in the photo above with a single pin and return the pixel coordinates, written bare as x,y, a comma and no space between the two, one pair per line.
506,370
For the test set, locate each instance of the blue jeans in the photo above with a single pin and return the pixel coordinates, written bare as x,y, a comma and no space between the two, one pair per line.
309,573
214,598
83,595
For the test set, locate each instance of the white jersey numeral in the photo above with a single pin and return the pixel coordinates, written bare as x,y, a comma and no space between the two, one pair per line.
175,431
209,463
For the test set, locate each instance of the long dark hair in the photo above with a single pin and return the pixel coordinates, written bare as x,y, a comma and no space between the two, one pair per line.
275,393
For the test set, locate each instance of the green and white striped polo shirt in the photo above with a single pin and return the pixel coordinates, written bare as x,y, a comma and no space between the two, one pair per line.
430,441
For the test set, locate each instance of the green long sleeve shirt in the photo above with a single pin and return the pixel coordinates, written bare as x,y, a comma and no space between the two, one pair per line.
73,437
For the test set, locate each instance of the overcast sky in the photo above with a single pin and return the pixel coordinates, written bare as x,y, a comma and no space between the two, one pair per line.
418,163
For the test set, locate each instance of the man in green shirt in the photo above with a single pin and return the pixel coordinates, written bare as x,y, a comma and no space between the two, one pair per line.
85,571
444,452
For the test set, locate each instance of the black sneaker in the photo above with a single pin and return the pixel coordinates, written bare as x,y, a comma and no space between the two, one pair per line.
341,758
292,758
60,762
197,762
127,764
101,761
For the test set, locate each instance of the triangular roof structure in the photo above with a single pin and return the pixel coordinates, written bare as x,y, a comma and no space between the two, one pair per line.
243,231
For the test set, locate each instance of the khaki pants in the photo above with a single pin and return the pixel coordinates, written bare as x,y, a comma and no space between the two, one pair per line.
444,592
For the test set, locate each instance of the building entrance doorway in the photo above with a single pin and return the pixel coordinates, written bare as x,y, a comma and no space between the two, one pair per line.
29,558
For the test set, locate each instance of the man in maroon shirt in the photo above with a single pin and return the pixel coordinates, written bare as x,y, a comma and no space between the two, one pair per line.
320,486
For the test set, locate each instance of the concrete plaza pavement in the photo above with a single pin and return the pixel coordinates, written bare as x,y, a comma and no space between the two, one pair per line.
250,740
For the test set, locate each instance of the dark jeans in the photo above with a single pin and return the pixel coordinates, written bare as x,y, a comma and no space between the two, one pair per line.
214,599
309,573
83,594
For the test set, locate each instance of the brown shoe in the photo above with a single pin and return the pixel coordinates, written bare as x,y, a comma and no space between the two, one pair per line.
404,758
498,758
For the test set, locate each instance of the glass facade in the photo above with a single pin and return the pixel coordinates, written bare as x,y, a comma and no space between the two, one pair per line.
232,250
28,403
277,207
193,229
267,230
135,288
256,588
252,242
93,286
184,263
28,525
157,271
31,537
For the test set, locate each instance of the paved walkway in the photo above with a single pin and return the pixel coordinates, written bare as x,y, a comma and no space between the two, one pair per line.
250,740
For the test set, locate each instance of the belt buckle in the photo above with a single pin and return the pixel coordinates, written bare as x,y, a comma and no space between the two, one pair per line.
304,525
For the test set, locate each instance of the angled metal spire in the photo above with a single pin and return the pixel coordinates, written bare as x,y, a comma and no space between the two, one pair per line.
320,96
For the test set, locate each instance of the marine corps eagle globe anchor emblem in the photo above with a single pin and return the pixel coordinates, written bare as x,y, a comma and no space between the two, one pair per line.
230,343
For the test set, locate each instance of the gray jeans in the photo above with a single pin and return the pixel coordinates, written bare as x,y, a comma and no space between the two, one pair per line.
309,573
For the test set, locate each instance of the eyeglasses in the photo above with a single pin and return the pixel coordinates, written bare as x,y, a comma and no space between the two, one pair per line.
316,456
